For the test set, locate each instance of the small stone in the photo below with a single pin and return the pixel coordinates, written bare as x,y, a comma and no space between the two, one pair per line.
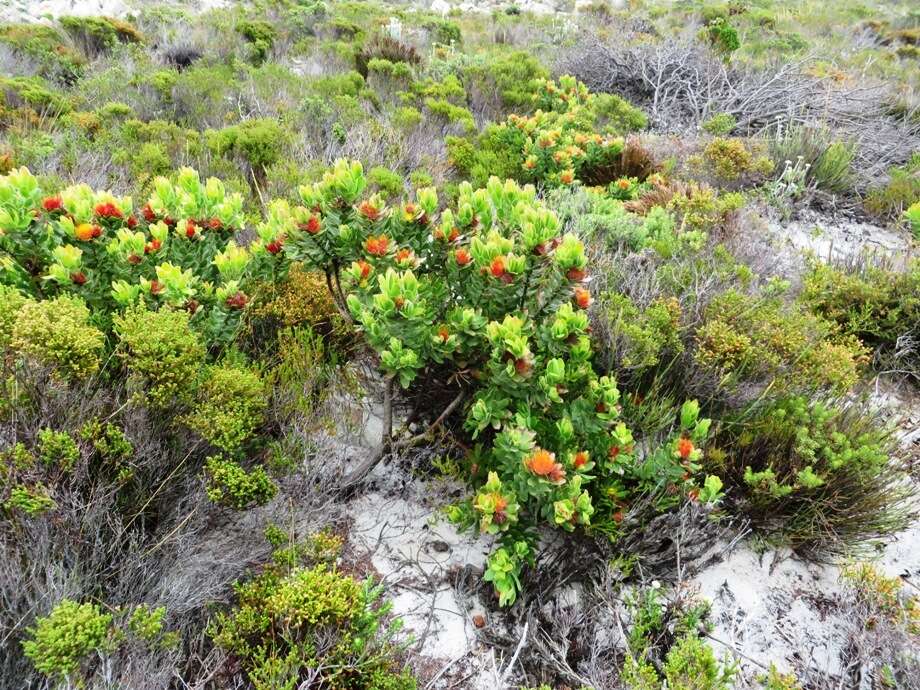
479,620
440,546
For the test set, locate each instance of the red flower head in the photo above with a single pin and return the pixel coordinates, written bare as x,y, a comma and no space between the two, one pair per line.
107,210
462,257
134,259
543,464
377,246
618,517
152,246
156,287
236,301
148,213
366,269
582,298
684,447
399,302
497,267
443,334
132,222
215,224
190,229
191,306
581,459
274,246
404,255
78,277
368,210
52,203
313,225
454,234
614,451
575,274
522,366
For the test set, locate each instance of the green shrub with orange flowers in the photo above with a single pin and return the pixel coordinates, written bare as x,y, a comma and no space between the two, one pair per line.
572,135
177,250
487,301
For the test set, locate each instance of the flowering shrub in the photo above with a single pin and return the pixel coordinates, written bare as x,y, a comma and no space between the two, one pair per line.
573,135
493,290
177,250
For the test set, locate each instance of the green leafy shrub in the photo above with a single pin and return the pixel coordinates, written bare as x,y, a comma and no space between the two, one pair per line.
11,301
162,355
46,45
900,191
230,406
35,93
258,142
295,617
462,288
723,37
57,333
57,449
509,74
231,485
817,475
387,48
62,641
731,159
912,216
97,35
261,35
572,136
880,307
761,338
720,124
108,441
31,500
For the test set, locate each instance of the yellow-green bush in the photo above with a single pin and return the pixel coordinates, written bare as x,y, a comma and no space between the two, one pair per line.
230,406
60,642
57,333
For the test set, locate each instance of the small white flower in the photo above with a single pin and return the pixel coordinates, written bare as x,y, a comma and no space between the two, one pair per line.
656,584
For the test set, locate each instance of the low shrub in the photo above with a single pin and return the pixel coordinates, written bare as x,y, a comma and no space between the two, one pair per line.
57,333
98,35
387,48
879,306
899,192
45,44
230,485
817,476
719,125
61,642
730,160
57,449
230,406
302,620
260,35
162,355
259,143
826,163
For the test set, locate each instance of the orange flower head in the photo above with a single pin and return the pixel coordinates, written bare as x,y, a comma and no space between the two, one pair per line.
274,246
567,177
575,274
443,334
543,464
404,255
190,229
684,447
623,184
581,459
369,210
148,213
377,246
582,298
497,267
78,277
614,451
365,269
313,225
107,210
454,234
462,257
85,232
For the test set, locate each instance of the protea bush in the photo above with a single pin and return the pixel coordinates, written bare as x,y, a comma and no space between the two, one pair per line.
487,300
177,250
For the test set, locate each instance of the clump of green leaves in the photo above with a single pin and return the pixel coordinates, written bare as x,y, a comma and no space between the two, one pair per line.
231,485
299,615
230,406
61,642
57,449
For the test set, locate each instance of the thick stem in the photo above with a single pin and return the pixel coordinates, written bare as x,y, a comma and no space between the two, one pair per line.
339,305
387,443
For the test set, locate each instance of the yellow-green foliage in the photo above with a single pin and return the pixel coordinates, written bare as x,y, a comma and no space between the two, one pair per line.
731,159
292,618
57,333
701,208
61,641
303,299
762,337
31,500
884,595
230,406
57,449
643,334
11,301
231,485
162,355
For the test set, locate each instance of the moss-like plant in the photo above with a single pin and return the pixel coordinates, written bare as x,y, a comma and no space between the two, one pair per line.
61,642
231,485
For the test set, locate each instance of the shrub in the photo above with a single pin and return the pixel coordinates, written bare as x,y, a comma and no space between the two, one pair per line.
387,48
230,406
57,333
494,281
46,45
11,301
901,190
62,641
293,619
761,338
57,449
720,124
261,35
880,307
511,75
35,93
162,355
912,216
388,183
110,442
258,142
97,35
817,475
826,162
231,485
723,37
31,500
731,159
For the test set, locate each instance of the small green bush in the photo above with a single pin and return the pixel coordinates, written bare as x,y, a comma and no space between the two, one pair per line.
57,449
230,406
231,485
11,301
720,124
35,93
97,35
293,618
900,191
261,35
162,355
60,642
259,142
46,45
723,37
57,333
31,500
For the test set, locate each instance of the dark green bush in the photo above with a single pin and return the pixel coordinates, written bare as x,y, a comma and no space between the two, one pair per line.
261,35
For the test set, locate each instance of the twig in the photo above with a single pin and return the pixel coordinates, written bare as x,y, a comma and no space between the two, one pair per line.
517,652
